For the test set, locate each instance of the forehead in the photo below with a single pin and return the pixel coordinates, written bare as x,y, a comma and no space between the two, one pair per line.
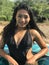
22,11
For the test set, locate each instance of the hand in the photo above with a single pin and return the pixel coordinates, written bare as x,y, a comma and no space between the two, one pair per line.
31,61
29,54
14,63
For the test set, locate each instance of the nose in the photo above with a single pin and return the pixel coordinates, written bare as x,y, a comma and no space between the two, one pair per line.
23,19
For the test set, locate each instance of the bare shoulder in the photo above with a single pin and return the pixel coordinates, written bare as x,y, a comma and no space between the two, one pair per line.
37,36
35,32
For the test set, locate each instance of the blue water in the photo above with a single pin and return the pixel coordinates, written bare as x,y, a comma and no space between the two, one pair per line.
35,48
6,48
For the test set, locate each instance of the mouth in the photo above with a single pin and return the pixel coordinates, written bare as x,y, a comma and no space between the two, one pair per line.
20,23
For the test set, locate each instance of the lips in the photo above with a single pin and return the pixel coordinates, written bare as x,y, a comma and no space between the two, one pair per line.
22,23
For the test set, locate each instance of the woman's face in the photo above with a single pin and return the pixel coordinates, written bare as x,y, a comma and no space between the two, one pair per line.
22,18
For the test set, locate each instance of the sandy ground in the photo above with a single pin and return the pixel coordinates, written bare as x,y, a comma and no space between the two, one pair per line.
44,27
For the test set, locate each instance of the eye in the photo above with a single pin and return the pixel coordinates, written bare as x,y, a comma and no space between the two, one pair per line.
25,16
20,16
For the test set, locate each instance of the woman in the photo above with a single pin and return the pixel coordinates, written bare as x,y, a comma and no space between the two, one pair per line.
19,35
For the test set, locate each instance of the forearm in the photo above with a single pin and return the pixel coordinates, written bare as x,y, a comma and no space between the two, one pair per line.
6,56
40,54
37,56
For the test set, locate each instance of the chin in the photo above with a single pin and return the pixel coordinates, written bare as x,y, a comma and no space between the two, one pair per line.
22,26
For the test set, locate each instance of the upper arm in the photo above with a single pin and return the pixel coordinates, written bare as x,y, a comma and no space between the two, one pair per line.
39,39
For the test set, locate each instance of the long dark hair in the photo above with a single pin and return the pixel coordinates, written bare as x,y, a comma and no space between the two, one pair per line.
9,30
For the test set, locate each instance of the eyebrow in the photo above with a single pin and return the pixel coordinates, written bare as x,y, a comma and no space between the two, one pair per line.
22,14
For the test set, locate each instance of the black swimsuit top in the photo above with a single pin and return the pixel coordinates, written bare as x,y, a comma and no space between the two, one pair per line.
18,52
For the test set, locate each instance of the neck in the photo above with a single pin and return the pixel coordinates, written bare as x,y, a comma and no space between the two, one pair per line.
21,28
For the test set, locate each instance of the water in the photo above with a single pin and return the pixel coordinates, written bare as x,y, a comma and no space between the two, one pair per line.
6,49
35,48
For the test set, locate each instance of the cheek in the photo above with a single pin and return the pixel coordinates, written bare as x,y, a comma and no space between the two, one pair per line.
17,19
28,20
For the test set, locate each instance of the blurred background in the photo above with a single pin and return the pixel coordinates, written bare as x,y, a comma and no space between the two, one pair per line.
39,7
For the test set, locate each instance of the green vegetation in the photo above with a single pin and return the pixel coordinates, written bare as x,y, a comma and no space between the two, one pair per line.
6,9
39,7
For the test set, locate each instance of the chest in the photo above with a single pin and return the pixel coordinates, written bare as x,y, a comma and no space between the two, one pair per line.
22,40
23,36
19,36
